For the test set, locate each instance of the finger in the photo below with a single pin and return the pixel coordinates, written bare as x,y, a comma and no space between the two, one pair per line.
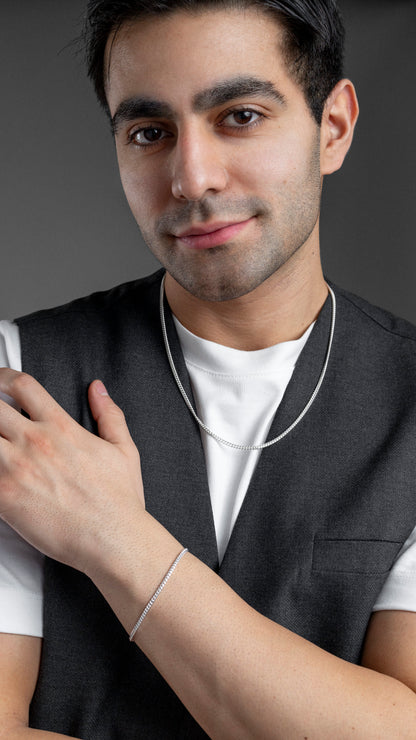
28,394
109,417
12,422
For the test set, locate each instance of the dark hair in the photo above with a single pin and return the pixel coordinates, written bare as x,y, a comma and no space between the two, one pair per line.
313,41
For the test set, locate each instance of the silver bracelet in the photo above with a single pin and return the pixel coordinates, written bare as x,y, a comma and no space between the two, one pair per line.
159,589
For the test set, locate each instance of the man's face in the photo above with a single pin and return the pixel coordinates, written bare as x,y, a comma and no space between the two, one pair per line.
217,149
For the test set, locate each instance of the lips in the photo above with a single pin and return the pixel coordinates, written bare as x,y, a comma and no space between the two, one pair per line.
205,236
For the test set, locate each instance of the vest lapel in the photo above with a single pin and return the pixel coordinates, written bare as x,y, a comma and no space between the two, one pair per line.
169,441
298,392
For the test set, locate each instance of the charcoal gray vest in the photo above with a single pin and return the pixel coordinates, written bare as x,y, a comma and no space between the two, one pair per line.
325,515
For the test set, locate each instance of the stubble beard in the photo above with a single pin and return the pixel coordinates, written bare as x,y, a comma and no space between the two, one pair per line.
232,270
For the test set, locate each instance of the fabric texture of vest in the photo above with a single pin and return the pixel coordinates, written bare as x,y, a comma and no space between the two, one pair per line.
326,513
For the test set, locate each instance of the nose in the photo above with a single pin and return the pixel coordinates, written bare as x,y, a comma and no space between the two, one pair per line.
198,167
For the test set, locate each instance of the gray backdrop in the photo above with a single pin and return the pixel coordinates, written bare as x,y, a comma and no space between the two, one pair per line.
65,229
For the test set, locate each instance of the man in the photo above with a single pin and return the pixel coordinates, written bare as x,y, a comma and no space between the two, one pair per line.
250,604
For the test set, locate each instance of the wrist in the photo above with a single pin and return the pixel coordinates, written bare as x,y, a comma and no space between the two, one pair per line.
130,570
157,593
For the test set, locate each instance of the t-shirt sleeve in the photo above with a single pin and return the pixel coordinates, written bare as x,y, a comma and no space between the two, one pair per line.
21,566
399,590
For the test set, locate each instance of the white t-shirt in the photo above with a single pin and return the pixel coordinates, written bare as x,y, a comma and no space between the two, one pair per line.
21,566
251,386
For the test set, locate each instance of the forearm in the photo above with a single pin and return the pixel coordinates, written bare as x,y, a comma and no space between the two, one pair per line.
240,674
20,657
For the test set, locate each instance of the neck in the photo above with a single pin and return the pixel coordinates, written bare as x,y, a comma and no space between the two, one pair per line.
279,310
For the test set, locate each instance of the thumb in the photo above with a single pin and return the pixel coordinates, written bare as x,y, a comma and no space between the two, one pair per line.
109,417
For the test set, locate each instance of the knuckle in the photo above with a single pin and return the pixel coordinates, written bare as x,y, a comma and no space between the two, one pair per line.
60,420
40,441
118,412
21,381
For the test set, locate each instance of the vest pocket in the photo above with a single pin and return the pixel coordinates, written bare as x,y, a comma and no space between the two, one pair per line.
370,557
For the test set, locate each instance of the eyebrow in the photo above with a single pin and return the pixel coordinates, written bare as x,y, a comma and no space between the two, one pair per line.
133,108
237,87
220,93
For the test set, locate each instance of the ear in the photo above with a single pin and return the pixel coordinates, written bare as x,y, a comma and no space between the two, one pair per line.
338,123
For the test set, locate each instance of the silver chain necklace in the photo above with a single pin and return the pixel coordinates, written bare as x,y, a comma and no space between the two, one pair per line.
191,408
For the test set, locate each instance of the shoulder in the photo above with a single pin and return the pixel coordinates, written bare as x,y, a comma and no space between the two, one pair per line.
81,334
104,335
375,320
376,347
123,299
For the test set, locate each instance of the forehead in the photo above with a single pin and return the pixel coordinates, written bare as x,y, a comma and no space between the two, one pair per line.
175,56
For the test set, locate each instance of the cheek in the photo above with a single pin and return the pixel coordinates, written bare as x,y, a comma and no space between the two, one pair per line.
275,163
144,182
143,190
291,169
274,174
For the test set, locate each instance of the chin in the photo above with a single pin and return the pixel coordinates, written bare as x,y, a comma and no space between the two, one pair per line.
220,289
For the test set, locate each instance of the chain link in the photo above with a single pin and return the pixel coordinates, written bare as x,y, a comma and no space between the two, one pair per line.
209,431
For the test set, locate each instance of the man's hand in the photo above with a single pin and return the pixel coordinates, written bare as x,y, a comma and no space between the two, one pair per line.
79,499
66,491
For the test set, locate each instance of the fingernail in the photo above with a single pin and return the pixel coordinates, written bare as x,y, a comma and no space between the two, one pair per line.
100,388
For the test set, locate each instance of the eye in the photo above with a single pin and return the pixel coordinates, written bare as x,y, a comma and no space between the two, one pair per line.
242,118
148,136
